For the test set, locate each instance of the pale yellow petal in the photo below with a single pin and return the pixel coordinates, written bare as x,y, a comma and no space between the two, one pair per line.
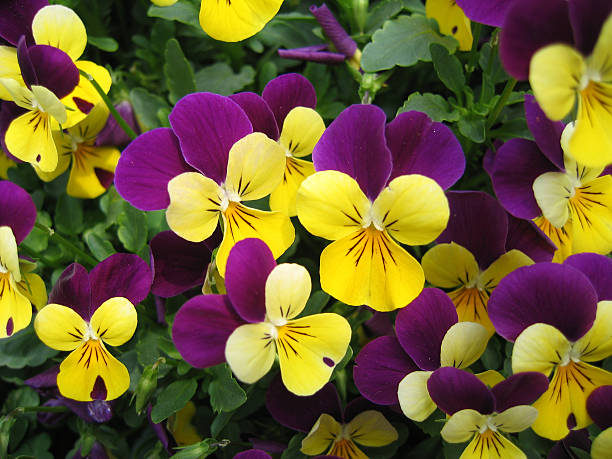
371,428
449,266
414,399
503,266
515,419
250,351
463,344
302,129
596,344
461,426
539,347
60,27
318,439
33,288
602,445
287,291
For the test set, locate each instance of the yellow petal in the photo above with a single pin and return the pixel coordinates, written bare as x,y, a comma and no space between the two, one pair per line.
503,266
597,343
490,377
325,430
181,428
492,445
59,26
602,445
15,309
302,129
60,327
371,428
9,69
591,213
5,164
163,2
17,92
561,237
601,57
33,288
83,181
284,196
29,138
463,344
515,419
115,321
343,447
539,347
91,125
368,267
414,399
9,260
84,95
471,304
552,191
49,103
452,21
449,266
63,145
461,426
250,351
287,291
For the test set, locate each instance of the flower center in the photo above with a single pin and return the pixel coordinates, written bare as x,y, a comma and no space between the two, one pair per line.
488,426
372,219
228,196
90,334
573,355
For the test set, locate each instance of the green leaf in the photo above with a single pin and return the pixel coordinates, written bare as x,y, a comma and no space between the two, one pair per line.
107,44
24,349
38,239
225,392
221,79
448,68
100,248
178,71
184,12
436,107
294,447
473,127
146,106
315,303
132,230
196,451
403,41
173,398
381,12
69,215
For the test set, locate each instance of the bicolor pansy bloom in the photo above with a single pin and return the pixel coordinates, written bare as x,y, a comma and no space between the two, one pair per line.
451,20
599,407
20,288
286,106
258,320
377,184
564,47
201,183
87,311
570,202
559,317
331,429
428,335
481,415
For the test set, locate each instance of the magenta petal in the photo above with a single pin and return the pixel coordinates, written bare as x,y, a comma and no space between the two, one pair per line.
17,210
121,274
146,166
489,12
379,368
549,293
286,92
54,69
355,144
478,223
112,133
575,439
598,269
525,236
546,133
599,406
421,326
72,290
587,18
454,390
207,125
253,454
16,19
421,146
201,328
519,389
259,113
334,31
248,265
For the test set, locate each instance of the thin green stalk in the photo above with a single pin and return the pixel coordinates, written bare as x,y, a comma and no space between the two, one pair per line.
126,127
84,256
38,409
501,103
474,51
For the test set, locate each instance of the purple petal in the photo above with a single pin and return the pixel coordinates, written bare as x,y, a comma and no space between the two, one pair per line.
488,160
248,265
259,113
201,328
268,445
379,368
253,454
478,223
528,26
517,164
301,413
72,290
575,439
112,133
519,389
599,406
489,12
16,19
454,390
146,166
354,143
359,405
558,295
26,65
207,125
312,55
420,146
17,210
421,326
177,264
333,30
587,18
598,269
47,378
51,418
380,324
121,274
54,69
546,133
97,452
525,236
286,92
160,432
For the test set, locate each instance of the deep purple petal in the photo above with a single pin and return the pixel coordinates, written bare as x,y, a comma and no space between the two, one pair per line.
546,133
248,265
421,326
478,223
489,12
334,31
574,439
286,92
121,274
380,324
54,69
525,236
160,432
599,406
598,269
454,390
587,18
259,113
312,55
517,164
379,368
268,445
16,19
97,452
519,389
47,378
354,143
253,454
95,411
177,264
72,290
146,166
549,293
488,160
26,66
301,413
359,405
112,133
421,146
17,210
528,26
201,328
207,125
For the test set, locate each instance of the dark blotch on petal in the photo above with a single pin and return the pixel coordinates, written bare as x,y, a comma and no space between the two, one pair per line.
10,327
83,105
329,362
99,389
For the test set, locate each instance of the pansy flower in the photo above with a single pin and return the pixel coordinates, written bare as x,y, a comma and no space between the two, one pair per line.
86,311
19,286
540,180
480,415
451,20
564,47
489,12
257,320
599,407
203,183
428,335
375,185
559,318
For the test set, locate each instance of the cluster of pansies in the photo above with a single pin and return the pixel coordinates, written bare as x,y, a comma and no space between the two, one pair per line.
464,316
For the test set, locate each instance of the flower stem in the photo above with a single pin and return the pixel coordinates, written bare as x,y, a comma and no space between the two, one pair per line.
501,103
84,256
473,57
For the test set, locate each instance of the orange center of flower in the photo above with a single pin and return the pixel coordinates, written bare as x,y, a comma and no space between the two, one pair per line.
345,447
485,442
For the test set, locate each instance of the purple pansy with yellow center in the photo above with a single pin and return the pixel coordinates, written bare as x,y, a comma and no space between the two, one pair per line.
257,320
565,47
540,181
19,286
599,407
202,182
428,335
559,317
86,311
481,415
376,184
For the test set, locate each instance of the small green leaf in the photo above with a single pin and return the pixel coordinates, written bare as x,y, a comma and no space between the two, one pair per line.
315,303
107,44
381,12
184,12
174,397
294,447
472,127
434,105
221,79
448,68
69,215
100,248
197,451
132,230
146,106
178,71
225,392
